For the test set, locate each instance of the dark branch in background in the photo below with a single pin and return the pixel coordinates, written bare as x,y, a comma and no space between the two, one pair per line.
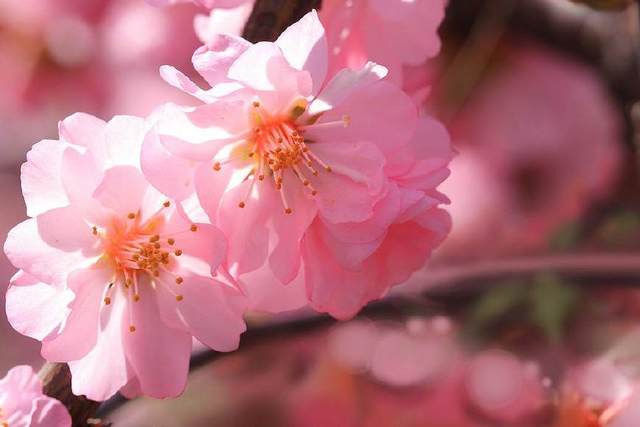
442,290
271,17
543,19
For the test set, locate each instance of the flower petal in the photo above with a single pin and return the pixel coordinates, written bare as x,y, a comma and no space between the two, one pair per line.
104,370
213,60
158,354
80,332
52,245
36,309
122,190
304,45
40,177
48,412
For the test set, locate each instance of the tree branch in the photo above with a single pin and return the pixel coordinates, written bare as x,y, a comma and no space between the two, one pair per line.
56,379
270,18
441,288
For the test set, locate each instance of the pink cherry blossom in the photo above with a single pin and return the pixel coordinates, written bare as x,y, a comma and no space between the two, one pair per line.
316,188
541,138
115,279
394,33
22,403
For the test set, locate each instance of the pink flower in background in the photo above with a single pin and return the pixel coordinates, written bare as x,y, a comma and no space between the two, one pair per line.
22,403
113,273
393,33
542,138
503,387
307,187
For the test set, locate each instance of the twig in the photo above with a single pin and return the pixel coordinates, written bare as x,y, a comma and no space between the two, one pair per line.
269,18
441,286
56,379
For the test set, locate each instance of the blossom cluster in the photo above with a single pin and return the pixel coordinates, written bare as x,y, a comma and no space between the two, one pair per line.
303,177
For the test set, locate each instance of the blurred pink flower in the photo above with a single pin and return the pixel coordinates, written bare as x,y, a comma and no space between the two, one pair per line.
392,33
112,273
300,177
542,138
503,387
22,403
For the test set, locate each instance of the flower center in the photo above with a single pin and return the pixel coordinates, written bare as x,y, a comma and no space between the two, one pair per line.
135,247
277,145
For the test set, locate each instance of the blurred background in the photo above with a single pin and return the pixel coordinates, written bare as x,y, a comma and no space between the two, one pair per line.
528,314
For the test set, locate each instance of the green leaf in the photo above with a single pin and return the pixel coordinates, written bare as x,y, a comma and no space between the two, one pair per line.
552,303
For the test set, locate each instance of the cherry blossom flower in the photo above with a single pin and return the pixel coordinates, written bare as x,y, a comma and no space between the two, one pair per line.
22,403
112,273
394,33
332,189
542,139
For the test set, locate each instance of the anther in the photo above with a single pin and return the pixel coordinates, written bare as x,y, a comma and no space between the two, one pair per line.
136,297
241,205
132,328
256,104
178,252
94,230
154,238
131,215
171,242
179,280
328,168
179,298
166,204
216,166
346,120
194,228
261,177
107,300
288,211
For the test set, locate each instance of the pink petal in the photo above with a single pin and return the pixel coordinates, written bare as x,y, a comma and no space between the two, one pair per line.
394,126
245,228
122,190
203,250
211,311
161,373
40,177
178,80
350,191
19,387
304,45
285,257
170,174
80,333
124,136
343,84
80,176
30,245
35,309
85,130
265,293
213,60
104,370
48,412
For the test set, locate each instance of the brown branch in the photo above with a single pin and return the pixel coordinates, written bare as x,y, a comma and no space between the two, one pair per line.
269,18
442,287
56,378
